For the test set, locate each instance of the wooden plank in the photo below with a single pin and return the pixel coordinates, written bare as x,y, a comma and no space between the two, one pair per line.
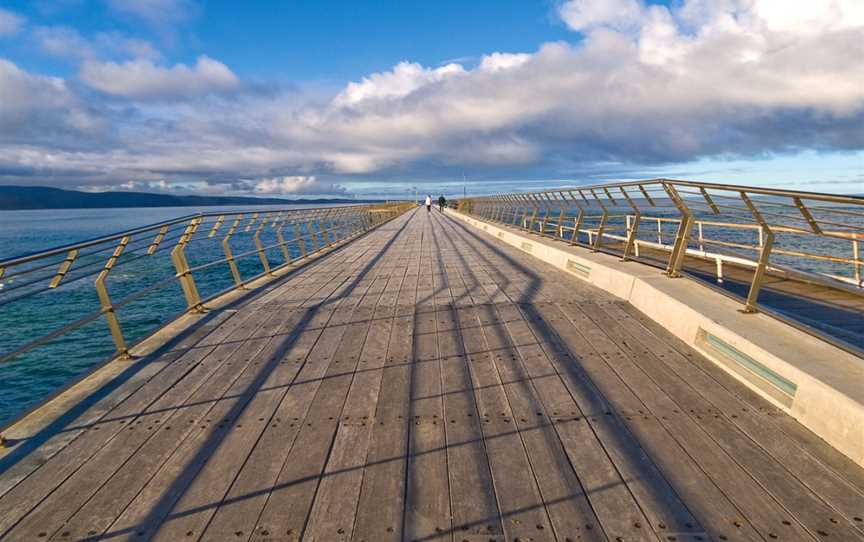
174,420
642,476
114,452
380,509
535,388
337,342
652,490
758,507
683,378
290,502
156,501
427,494
522,509
334,509
474,507
715,384
561,491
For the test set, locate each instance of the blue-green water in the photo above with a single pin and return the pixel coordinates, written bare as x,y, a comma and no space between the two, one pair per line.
28,379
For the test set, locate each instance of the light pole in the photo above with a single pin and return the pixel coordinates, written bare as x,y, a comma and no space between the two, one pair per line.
415,195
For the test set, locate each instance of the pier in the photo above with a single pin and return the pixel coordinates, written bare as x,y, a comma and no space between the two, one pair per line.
474,375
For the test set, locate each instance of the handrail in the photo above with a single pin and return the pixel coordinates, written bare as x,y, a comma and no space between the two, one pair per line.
197,251
808,234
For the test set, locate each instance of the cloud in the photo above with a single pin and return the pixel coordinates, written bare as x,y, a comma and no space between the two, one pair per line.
588,14
10,23
143,79
503,61
62,41
296,185
403,79
38,109
643,87
155,12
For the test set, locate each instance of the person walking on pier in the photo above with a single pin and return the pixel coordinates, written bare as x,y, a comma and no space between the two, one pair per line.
442,201
428,202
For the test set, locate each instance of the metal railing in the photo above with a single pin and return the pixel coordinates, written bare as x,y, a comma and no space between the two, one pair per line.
811,237
218,252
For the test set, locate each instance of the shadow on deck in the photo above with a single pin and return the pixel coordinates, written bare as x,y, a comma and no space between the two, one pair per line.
425,382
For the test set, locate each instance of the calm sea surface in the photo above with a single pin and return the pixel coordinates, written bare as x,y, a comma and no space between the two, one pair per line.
30,378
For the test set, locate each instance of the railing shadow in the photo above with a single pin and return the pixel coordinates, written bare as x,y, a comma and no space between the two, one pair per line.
183,480
624,441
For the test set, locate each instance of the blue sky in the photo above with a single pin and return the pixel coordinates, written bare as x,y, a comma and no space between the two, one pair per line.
313,40
373,98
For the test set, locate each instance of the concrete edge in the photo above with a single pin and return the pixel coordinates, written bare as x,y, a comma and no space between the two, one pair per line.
819,384
56,405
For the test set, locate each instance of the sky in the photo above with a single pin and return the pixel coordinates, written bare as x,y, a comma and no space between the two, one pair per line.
377,98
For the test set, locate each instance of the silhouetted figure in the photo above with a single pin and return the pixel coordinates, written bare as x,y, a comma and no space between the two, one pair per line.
428,203
442,201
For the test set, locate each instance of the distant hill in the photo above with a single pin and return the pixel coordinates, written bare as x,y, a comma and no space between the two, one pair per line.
40,197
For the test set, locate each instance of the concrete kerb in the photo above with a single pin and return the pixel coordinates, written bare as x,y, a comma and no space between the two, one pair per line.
818,384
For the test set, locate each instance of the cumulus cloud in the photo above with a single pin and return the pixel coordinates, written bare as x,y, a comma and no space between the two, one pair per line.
644,84
296,185
403,79
155,12
647,84
503,61
588,14
141,78
63,41
10,23
41,109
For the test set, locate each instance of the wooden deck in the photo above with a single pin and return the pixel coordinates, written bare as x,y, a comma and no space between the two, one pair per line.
427,382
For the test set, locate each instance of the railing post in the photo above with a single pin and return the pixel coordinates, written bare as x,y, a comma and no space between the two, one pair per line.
216,226
156,240
524,218
602,226
324,228
178,256
252,221
229,256
577,222
64,268
548,211
262,255
766,240
316,243
105,301
561,215
283,246
503,207
632,227
682,239
506,204
759,274
701,237
856,257
534,208
298,236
